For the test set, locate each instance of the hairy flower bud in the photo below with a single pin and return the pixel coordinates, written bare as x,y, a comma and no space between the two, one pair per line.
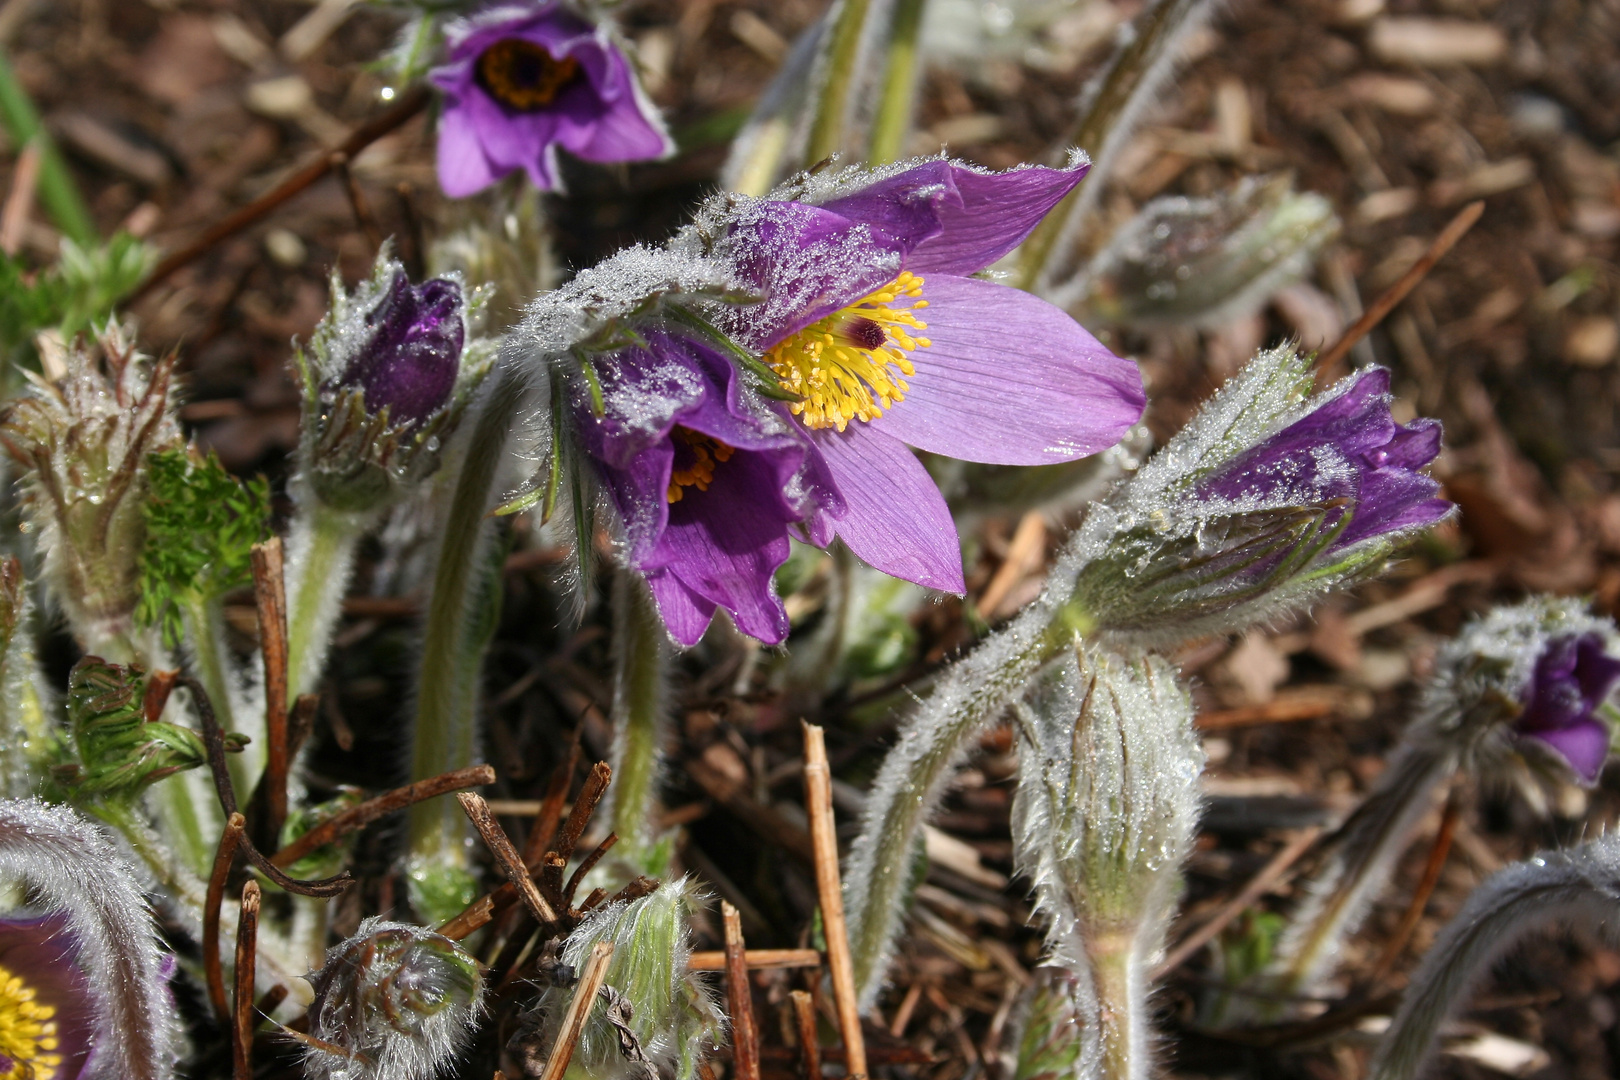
387,376
1105,814
400,1001
657,1016
1202,262
85,439
1268,499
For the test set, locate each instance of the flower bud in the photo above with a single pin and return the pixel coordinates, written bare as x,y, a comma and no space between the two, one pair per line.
1266,500
1050,1038
387,376
1202,262
401,1001
84,440
671,1020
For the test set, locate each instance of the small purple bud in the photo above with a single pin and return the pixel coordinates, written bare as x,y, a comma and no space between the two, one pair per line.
410,363
1573,676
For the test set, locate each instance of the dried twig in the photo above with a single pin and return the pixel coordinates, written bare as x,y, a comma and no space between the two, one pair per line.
585,866
500,845
270,601
824,839
579,1007
247,938
391,802
1254,890
595,787
758,959
804,1011
223,858
474,916
740,999
1328,362
551,807
409,104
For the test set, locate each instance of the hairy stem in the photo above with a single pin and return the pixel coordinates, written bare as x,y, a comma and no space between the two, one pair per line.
640,714
1120,984
320,556
458,628
898,102
837,76
210,657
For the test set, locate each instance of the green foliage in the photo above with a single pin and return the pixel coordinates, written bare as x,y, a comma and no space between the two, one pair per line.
119,753
201,525
328,860
80,291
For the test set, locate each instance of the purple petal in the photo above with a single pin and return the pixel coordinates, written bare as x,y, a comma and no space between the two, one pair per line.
686,614
725,544
1010,380
1393,500
42,952
958,219
895,518
1584,747
1413,445
1595,669
628,132
463,168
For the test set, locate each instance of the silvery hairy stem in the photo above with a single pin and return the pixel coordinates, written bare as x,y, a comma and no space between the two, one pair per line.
641,711
24,729
1579,887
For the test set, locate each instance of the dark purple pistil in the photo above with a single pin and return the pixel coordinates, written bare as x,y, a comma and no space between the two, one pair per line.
867,333
410,363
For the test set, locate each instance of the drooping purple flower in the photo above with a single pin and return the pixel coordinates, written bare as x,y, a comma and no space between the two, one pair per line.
412,351
45,1023
869,318
1349,454
523,80
1573,676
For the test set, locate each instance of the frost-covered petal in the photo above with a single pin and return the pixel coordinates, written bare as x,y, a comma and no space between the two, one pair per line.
1391,501
976,216
895,518
1011,380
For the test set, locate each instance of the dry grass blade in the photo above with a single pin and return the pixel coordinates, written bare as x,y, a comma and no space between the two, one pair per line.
391,802
224,856
740,999
579,1008
247,940
500,845
270,601
476,915
758,959
824,840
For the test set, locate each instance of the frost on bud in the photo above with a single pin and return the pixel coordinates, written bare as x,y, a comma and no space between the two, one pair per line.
84,882
1106,810
120,752
83,440
654,1016
386,377
400,1001
1203,262
1269,498
1579,887
26,740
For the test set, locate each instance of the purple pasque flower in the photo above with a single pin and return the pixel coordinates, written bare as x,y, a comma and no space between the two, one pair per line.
1573,676
1348,454
871,317
707,483
46,1027
411,351
524,79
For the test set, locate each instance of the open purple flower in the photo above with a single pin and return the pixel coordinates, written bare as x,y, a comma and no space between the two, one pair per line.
412,352
1349,454
524,79
1573,676
45,1025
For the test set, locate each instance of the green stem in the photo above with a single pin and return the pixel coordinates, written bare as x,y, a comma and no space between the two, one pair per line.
640,713
176,878
210,660
1116,96
1117,979
899,99
445,735
319,558
837,76
55,186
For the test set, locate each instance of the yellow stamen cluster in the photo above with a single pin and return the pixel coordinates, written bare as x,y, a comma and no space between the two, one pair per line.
27,1033
840,365
705,453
